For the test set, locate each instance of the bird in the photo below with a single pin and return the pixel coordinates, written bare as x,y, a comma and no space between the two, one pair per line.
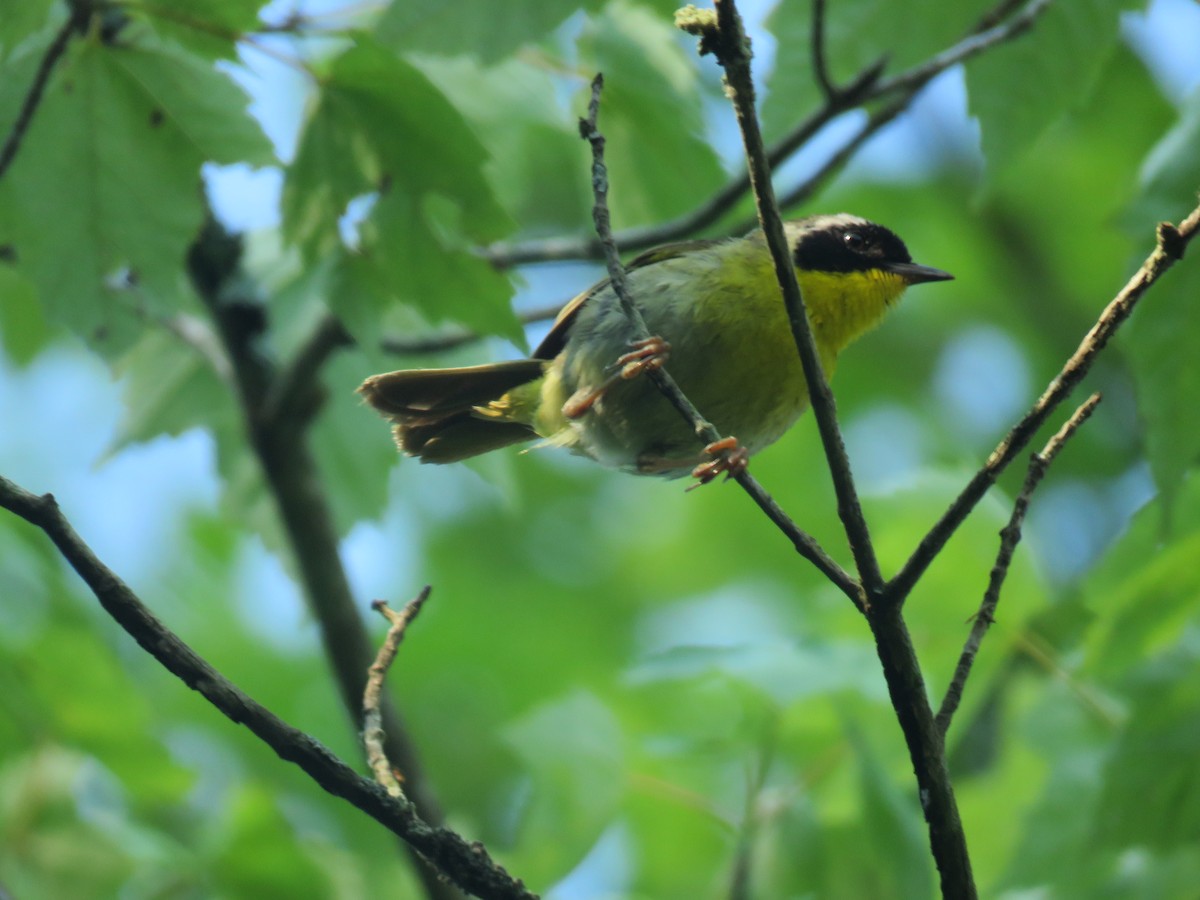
717,319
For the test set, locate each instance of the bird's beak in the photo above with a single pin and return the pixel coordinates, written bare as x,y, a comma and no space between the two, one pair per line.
915,274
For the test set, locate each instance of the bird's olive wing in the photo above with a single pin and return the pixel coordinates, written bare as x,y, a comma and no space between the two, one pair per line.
556,338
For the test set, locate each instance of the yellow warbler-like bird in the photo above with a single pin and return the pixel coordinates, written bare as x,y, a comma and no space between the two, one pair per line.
715,304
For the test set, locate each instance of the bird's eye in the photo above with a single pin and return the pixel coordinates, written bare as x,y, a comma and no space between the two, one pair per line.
854,241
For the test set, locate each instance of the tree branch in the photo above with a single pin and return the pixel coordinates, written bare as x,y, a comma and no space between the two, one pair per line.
817,49
290,472
804,543
985,36
1010,536
467,863
1172,241
863,88
75,22
372,733
901,669
732,49
926,749
294,396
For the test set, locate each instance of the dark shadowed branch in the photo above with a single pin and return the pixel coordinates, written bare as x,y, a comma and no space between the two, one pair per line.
278,412
466,863
80,11
902,672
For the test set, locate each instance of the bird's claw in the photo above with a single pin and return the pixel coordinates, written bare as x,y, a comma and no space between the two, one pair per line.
646,356
731,460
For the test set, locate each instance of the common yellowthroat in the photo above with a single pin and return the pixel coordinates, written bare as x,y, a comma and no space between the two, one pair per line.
718,306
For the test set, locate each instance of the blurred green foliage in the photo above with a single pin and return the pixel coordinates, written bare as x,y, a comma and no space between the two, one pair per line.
623,689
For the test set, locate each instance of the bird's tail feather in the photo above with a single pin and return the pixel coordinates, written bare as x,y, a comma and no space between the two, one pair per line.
436,411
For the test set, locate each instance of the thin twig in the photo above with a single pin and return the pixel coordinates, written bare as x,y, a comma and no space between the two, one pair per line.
372,732
1010,536
467,864
997,14
732,50
1172,241
801,192
863,88
75,21
972,45
804,543
819,64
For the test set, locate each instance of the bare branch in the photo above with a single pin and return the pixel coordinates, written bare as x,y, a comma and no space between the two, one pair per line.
985,37
466,863
804,543
863,88
1010,536
372,733
75,21
1172,241
901,669
732,50
819,63
289,469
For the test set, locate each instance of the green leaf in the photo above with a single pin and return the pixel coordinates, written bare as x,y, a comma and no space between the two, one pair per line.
171,387
538,163
352,447
23,328
19,22
381,131
1143,594
1022,88
478,28
211,28
1163,341
1171,171
651,115
100,220
1054,846
200,103
1151,793
573,750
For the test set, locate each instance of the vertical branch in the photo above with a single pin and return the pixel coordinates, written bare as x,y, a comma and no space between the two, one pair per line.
732,48
926,749
901,669
277,418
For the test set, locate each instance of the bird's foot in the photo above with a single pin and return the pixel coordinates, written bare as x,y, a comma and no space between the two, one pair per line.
731,459
646,356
